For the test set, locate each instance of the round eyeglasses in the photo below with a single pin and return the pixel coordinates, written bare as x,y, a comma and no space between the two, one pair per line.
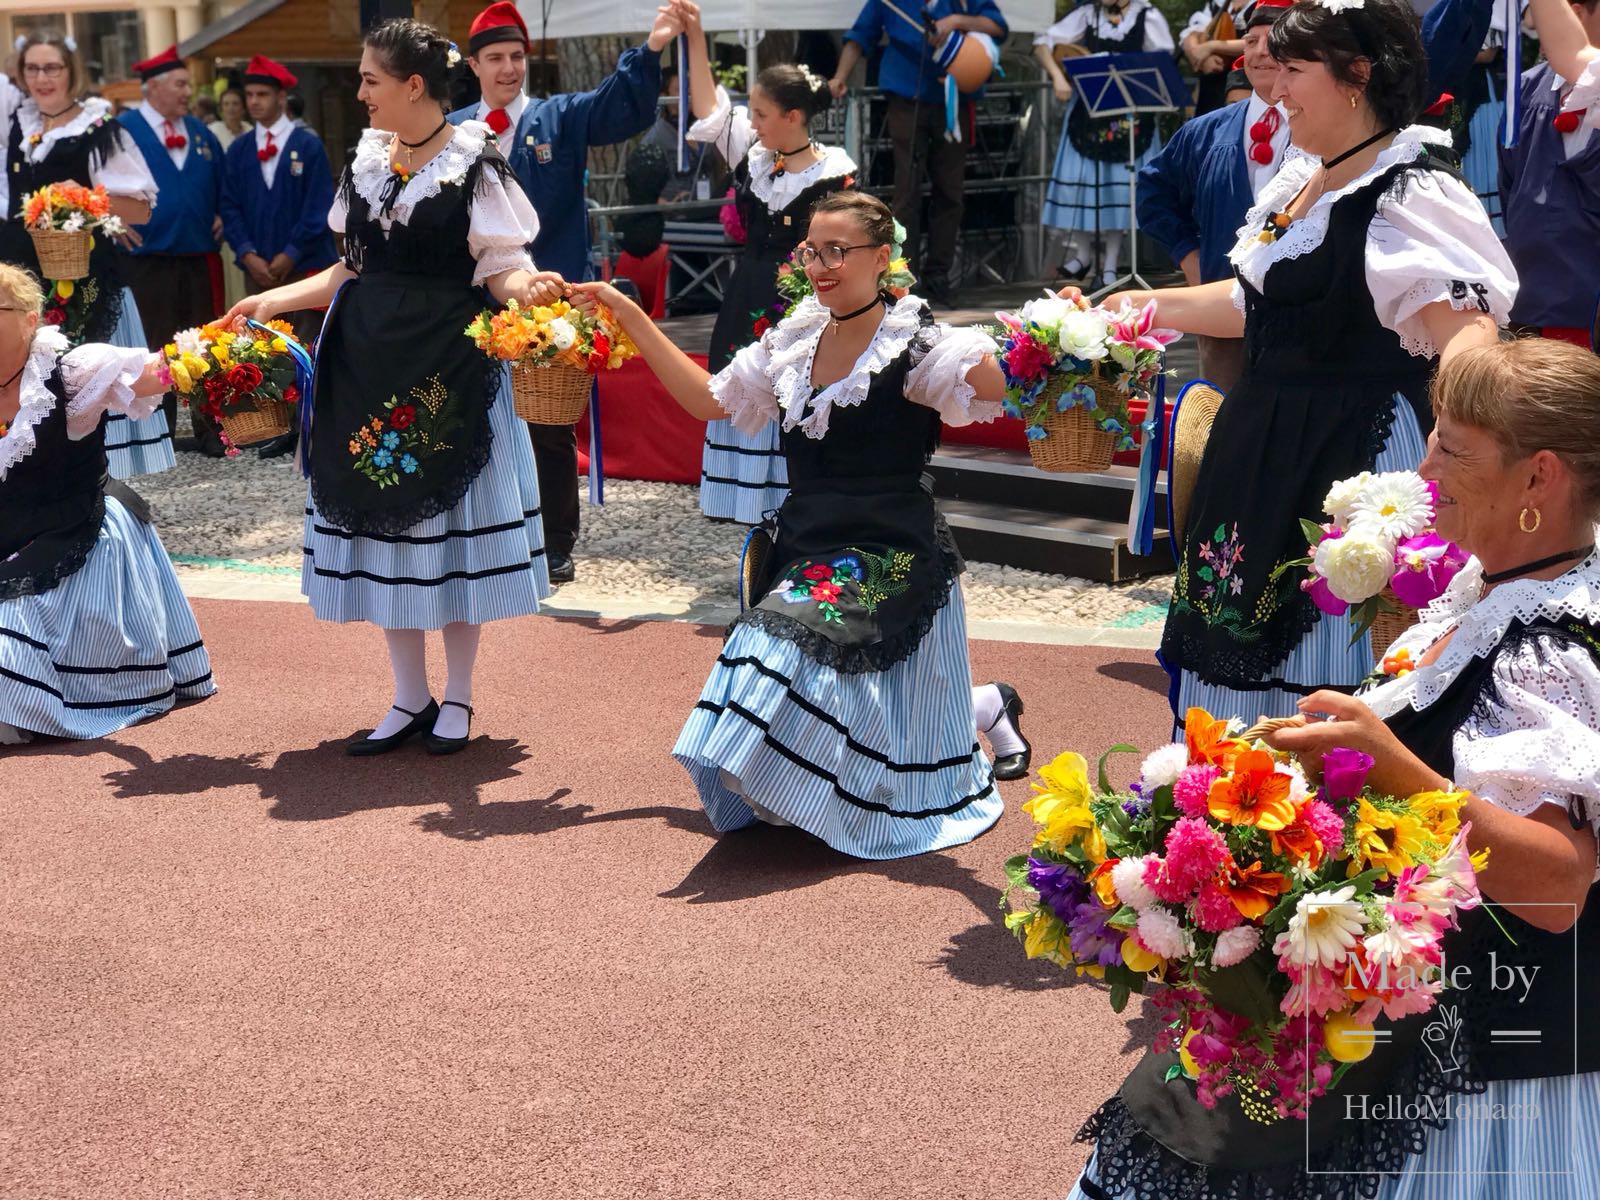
832,256
48,70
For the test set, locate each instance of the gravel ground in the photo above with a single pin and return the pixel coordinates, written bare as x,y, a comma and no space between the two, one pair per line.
648,544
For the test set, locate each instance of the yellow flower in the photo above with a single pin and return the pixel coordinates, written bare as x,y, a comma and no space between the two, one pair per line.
1440,812
65,288
1390,840
220,352
1187,1059
1344,1037
1061,807
279,346
1138,958
180,375
1048,938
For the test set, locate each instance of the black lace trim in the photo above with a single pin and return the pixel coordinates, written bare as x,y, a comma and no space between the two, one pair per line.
1130,1163
1543,639
880,656
398,520
36,583
107,311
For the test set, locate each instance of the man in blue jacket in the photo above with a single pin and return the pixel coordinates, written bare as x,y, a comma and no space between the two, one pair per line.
168,260
547,142
277,189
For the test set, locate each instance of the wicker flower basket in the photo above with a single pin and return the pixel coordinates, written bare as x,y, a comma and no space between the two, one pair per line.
1073,441
555,394
267,420
63,254
1388,626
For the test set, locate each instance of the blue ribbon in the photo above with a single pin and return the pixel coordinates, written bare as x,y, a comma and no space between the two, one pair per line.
597,458
1511,122
305,375
683,104
1142,511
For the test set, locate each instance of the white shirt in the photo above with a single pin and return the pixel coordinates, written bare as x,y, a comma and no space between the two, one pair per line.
10,98
280,132
1584,97
514,111
1260,173
162,127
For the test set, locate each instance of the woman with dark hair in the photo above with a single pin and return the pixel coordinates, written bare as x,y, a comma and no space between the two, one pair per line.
59,136
1363,261
779,172
842,701
424,506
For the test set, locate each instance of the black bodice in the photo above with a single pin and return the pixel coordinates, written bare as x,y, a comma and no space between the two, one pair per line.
433,239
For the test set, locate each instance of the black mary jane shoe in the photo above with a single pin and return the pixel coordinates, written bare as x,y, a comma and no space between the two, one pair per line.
434,744
364,746
1012,766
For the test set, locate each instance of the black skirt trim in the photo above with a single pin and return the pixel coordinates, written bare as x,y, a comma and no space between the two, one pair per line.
710,445
74,554
413,581
401,539
756,485
839,726
828,777
92,705
68,669
149,441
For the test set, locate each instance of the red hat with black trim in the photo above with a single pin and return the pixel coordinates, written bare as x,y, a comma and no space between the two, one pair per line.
262,69
1263,12
167,60
500,22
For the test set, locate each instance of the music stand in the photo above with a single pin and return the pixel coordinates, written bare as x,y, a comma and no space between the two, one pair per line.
1123,85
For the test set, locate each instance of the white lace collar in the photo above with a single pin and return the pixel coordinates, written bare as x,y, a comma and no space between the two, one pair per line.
37,400
1254,257
780,192
370,173
1479,626
32,121
1119,32
793,345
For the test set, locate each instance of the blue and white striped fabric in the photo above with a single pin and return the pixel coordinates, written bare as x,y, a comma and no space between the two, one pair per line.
1481,166
1088,195
879,765
1325,655
113,643
483,560
743,476
1555,1156
136,447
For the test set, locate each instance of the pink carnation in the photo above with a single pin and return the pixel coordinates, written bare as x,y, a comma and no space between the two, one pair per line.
1328,825
1214,909
1163,884
1195,853
1192,792
1027,358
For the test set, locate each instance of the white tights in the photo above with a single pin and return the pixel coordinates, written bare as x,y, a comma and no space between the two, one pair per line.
408,659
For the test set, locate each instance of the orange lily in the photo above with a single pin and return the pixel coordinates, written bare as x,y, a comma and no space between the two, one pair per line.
1208,740
1254,794
1252,890
1299,841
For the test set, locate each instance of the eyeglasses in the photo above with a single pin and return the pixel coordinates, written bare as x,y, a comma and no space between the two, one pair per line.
832,256
48,70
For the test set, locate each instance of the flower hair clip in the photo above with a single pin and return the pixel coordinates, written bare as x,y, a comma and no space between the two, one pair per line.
1339,6
452,56
813,80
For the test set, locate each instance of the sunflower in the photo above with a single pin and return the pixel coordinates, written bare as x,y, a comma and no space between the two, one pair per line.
1439,812
1391,841
1254,794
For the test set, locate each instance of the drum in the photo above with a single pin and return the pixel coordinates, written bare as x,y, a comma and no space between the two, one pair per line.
968,58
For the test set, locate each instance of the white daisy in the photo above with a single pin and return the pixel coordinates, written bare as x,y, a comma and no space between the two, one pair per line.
1393,505
1324,929
1342,497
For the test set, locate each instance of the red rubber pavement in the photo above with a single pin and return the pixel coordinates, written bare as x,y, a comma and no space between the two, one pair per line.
239,964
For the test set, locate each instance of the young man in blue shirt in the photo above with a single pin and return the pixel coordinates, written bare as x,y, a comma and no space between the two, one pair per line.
914,86
547,142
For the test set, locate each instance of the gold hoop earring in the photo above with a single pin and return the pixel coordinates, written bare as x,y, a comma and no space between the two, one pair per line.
1522,521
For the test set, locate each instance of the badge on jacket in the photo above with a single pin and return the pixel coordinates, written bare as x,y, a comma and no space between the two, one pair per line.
296,167
543,153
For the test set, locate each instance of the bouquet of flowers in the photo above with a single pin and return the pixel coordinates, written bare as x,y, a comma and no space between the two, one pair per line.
1270,920
62,219
794,285
1377,550
554,350
1070,367
245,379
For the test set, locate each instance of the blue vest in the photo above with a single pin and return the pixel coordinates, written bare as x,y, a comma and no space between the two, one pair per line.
1195,193
187,201
292,217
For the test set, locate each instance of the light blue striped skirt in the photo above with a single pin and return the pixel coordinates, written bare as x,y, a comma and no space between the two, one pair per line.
1479,1155
1481,164
136,447
482,560
883,764
1088,195
742,476
1325,655
113,643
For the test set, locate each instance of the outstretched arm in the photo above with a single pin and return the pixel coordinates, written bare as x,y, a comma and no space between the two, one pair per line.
686,379
1206,309
1562,37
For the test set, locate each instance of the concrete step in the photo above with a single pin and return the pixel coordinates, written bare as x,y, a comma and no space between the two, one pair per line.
1059,543
1009,477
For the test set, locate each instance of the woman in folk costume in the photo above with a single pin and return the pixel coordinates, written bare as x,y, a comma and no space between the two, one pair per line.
424,507
57,138
230,123
779,172
95,632
842,702
1363,262
1088,191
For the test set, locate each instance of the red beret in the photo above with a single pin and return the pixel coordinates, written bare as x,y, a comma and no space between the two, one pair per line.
500,22
167,60
1264,12
262,69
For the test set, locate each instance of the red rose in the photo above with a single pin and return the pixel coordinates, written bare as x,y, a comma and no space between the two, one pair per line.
55,316
825,592
818,571
600,356
404,416
246,377
291,394
761,327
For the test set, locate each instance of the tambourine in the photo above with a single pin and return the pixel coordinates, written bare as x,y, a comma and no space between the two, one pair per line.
968,58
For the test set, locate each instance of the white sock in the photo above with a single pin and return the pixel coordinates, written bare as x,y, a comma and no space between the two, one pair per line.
989,714
408,659
1113,252
460,656
10,735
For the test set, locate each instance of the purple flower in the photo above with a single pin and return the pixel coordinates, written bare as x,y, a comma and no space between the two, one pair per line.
1344,773
1322,596
1061,888
1093,940
1425,565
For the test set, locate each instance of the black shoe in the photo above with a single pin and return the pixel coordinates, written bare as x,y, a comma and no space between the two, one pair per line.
1012,766
434,744
189,445
277,447
561,568
364,746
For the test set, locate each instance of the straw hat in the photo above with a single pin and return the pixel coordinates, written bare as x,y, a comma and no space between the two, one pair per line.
1192,417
